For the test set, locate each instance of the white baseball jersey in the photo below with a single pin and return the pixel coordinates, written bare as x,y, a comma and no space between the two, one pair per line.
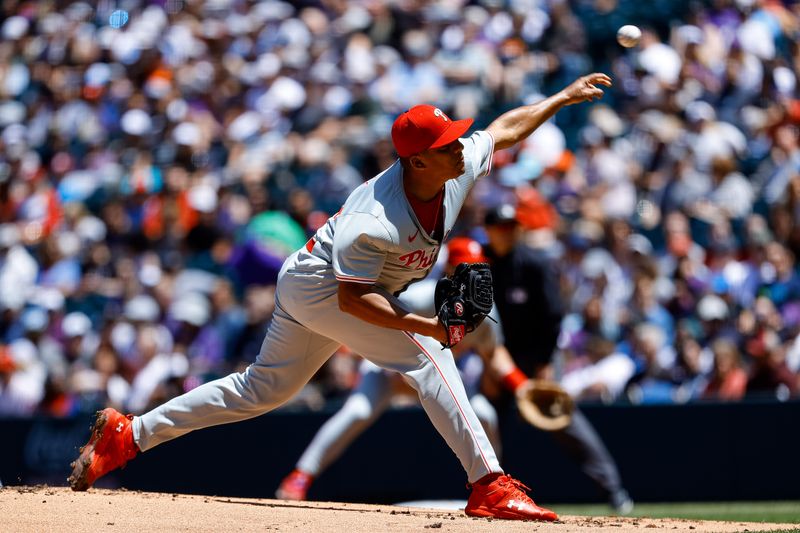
377,239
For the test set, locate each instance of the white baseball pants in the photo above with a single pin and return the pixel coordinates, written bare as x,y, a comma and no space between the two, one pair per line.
307,328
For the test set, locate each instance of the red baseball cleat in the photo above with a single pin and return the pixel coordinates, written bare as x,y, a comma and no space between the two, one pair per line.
501,496
110,447
294,486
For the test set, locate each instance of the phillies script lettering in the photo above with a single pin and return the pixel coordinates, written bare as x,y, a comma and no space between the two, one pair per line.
418,259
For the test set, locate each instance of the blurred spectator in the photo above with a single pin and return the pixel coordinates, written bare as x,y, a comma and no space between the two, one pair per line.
158,369
645,307
194,334
731,192
655,359
770,376
689,372
688,285
714,315
600,374
229,316
729,379
79,340
780,281
259,304
22,378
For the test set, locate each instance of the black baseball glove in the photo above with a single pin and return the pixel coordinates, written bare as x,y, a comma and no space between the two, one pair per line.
463,300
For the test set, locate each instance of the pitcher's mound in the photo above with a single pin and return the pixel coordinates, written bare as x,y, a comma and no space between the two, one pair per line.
43,508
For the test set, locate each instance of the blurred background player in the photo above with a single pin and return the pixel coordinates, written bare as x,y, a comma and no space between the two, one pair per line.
527,298
377,387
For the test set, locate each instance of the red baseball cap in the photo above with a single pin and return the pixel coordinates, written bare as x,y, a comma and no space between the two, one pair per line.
464,250
423,127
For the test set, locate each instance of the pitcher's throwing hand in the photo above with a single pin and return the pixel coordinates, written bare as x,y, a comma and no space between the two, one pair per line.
585,89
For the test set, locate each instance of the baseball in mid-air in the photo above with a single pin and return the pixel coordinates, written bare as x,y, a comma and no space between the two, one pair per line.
629,35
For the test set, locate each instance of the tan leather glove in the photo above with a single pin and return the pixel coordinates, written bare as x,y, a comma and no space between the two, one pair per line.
545,404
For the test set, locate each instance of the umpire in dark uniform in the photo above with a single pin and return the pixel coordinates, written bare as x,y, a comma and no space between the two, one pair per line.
526,292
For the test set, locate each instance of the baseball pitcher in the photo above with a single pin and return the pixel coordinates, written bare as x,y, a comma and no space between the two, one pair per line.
341,289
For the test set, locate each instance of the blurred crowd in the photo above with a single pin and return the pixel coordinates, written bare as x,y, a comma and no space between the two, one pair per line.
159,160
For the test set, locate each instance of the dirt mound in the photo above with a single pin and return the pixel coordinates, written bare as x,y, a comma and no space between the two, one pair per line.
43,508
